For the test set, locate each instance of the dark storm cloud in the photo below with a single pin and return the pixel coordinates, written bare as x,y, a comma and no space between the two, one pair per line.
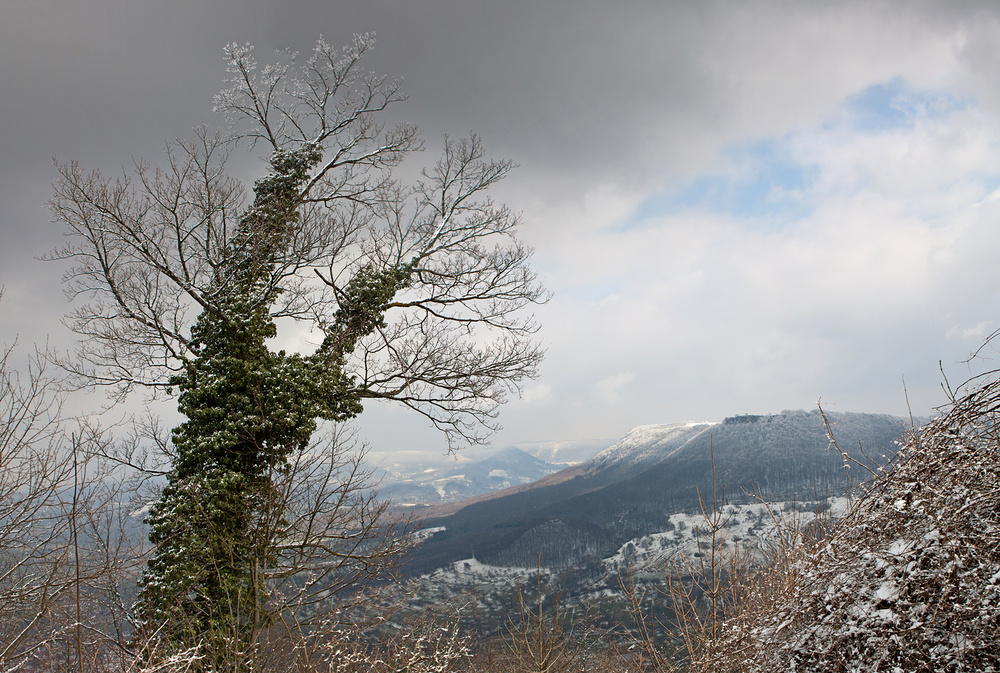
572,81
560,87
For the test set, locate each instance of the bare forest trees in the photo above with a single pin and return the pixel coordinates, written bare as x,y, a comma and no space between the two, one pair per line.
67,550
33,560
417,293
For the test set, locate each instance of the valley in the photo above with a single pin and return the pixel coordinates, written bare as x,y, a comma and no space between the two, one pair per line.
638,505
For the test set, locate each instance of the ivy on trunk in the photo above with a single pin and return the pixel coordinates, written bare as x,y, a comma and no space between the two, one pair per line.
247,408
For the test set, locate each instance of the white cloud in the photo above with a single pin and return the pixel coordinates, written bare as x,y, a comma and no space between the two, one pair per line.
976,332
754,314
536,394
609,390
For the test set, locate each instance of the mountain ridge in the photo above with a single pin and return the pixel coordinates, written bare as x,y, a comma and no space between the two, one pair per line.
632,488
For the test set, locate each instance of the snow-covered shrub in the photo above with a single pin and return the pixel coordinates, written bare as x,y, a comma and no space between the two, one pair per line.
909,579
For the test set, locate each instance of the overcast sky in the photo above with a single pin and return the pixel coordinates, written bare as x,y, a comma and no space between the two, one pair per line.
740,207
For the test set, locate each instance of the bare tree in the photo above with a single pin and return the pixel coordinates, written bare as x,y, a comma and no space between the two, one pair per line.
536,638
33,555
418,294
148,247
70,553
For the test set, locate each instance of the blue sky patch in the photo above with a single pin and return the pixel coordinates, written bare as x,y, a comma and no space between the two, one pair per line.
768,180
763,180
894,105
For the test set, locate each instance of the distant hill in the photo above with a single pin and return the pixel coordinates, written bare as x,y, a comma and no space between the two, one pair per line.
586,512
457,481
568,452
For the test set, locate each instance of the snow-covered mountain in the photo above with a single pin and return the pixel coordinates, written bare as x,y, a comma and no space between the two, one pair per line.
584,513
641,448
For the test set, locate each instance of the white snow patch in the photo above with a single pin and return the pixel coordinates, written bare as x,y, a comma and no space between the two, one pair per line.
887,592
425,533
748,525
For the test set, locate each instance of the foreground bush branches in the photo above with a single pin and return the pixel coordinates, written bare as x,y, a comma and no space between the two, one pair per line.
69,557
910,578
707,601
906,580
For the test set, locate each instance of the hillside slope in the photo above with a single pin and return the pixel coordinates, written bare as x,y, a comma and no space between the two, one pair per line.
576,517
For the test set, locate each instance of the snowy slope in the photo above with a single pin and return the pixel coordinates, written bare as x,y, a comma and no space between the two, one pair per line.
646,445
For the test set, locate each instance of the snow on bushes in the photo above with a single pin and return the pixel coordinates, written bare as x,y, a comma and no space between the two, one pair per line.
909,580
